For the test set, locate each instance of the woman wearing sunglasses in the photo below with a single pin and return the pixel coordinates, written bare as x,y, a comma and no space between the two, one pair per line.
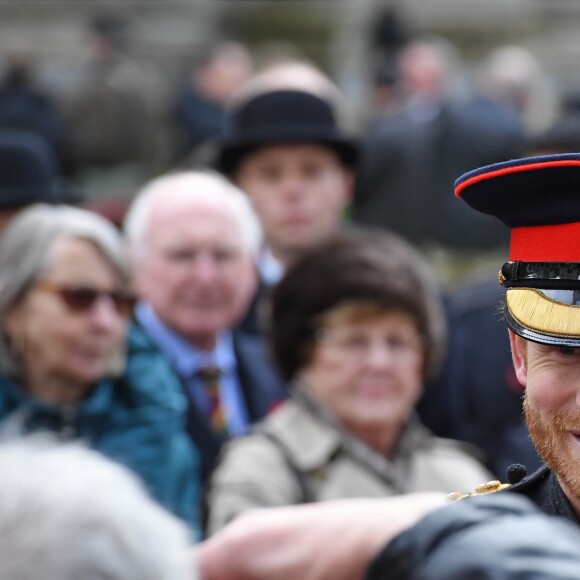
356,329
67,364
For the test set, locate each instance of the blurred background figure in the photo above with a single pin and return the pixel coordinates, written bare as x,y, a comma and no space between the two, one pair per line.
285,148
284,71
113,118
66,364
512,76
410,159
561,137
29,173
356,330
24,105
194,240
201,103
391,32
67,512
480,398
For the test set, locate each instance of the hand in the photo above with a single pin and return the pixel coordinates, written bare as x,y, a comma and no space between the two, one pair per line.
313,541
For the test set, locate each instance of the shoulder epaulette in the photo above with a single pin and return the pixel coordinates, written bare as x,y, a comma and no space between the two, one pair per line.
483,489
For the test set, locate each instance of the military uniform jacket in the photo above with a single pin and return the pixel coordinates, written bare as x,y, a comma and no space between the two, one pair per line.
300,453
543,489
492,537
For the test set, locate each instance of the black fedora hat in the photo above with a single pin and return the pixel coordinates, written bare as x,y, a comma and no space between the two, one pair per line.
29,172
283,116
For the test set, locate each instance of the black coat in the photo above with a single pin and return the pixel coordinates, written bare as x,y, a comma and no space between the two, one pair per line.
495,537
544,490
408,167
477,397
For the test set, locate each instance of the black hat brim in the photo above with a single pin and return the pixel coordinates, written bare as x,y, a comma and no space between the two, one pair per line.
231,154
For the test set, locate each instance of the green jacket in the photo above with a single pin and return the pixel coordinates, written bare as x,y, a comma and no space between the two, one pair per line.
136,419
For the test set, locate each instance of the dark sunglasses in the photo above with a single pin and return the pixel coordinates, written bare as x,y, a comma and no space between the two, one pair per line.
81,299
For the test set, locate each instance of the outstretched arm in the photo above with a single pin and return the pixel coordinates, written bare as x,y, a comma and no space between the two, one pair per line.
316,541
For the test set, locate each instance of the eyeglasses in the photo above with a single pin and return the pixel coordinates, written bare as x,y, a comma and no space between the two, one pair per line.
82,299
358,344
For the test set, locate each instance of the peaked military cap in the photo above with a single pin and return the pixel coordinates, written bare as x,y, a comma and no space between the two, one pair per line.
538,198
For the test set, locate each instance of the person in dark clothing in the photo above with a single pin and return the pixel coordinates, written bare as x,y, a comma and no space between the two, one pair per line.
29,174
200,107
497,537
410,159
537,198
477,397
27,107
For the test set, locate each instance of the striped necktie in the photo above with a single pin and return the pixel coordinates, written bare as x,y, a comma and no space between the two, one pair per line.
210,378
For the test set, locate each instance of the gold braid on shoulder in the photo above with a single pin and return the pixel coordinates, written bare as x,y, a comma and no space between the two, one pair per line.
483,489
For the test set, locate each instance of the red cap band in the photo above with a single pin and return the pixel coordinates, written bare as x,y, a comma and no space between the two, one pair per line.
552,243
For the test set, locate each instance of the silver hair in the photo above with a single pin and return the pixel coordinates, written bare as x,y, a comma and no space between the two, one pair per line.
68,512
25,249
206,186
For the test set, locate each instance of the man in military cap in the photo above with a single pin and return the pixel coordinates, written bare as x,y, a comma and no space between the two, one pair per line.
539,199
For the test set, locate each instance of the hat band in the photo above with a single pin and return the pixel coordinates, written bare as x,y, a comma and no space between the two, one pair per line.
551,243
545,275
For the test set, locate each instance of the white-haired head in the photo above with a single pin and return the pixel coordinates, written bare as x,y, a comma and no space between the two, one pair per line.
207,187
67,513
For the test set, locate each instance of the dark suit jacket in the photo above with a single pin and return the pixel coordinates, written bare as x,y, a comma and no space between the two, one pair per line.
408,168
477,397
262,389
255,321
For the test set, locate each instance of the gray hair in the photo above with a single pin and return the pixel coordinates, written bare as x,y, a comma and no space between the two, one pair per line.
68,512
206,186
25,248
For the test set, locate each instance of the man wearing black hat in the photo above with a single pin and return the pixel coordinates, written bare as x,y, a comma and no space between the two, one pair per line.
539,199
284,148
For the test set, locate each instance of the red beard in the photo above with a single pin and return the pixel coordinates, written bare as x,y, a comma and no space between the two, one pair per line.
550,433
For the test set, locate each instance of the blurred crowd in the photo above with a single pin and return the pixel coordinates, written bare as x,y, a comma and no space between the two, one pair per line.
247,305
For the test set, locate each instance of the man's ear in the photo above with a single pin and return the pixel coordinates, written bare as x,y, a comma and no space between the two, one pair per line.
519,357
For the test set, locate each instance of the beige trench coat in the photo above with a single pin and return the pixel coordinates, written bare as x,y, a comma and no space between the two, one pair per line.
299,454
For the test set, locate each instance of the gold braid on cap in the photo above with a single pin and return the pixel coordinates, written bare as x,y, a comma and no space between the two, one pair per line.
538,312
